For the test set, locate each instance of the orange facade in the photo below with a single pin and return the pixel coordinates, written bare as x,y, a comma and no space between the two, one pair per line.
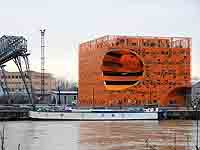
127,71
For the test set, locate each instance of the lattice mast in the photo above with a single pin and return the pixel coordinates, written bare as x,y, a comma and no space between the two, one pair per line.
42,64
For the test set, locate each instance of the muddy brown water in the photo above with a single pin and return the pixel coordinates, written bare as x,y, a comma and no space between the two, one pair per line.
98,135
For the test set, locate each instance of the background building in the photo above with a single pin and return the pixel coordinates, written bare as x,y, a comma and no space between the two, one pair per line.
16,85
196,88
122,70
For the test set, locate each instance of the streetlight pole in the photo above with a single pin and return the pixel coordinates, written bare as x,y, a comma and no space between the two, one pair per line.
93,97
150,94
196,100
59,102
197,119
195,103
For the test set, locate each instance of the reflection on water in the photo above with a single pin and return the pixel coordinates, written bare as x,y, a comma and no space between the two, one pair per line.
98,135
132,135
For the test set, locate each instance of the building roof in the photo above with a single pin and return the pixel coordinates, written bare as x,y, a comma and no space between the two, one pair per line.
33,73
195,83
116,37
65,92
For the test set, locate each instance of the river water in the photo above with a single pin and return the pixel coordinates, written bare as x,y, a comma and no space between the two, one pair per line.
98,135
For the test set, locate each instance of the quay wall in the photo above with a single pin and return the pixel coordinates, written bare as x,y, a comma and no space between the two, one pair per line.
179,114
6,115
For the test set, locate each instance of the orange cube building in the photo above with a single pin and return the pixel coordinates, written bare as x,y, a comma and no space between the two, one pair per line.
134,71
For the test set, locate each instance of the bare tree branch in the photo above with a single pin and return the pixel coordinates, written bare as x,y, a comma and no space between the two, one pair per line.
2,137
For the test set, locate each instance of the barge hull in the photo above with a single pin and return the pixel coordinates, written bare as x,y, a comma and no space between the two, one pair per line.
93,116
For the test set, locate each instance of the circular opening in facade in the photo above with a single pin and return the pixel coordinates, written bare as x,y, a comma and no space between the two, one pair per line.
121,69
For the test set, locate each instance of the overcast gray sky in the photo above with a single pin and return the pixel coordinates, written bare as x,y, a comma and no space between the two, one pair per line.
69,22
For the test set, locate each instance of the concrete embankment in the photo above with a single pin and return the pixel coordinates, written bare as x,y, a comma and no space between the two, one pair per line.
14,115
13,112
179,114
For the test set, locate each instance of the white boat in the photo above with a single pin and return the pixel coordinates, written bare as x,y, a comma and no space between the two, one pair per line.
94,115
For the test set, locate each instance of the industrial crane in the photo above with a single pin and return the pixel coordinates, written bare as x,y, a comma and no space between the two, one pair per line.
3,82
15,48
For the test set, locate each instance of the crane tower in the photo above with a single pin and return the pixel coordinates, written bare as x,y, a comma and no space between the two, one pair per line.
42,64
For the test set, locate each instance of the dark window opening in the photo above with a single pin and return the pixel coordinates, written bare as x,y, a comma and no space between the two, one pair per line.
172,102
120,82
65,97
153,44
114,54
112,64
122,73
122,41
141,64
134,44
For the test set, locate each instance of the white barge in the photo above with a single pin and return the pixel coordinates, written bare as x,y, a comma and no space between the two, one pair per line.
94,115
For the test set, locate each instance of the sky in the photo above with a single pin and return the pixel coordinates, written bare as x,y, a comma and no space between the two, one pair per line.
70,22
